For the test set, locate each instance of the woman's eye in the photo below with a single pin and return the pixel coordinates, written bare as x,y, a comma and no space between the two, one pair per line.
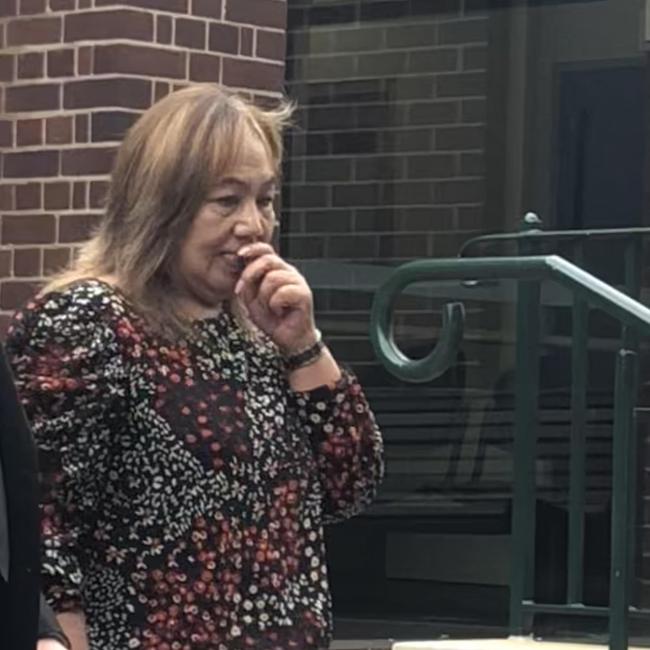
265,202
227,202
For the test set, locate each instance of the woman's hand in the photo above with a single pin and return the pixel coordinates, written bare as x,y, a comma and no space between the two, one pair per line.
50,644
278,298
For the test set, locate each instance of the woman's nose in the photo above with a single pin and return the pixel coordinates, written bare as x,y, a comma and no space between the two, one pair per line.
251,222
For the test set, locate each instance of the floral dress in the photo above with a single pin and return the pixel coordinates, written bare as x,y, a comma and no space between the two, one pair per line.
185,484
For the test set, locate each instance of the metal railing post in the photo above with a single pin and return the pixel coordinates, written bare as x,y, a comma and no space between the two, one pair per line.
620,574
577,472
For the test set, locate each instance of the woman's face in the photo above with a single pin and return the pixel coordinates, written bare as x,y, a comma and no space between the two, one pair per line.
238,211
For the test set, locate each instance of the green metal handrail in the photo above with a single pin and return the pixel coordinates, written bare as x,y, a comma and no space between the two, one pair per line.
588,290
531,232
531,239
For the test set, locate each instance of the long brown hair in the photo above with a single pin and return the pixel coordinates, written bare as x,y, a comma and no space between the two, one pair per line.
167,164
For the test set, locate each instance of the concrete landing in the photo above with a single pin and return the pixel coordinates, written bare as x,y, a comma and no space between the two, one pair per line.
513,643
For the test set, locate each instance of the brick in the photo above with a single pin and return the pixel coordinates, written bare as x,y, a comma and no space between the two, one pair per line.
14,294
224,38
174,6
58,130
55,259
380,64
191,33
436,60
361,142
79,195
460,137
463,31
28,196
463,84
6,67
252,74
97,193
459,192
401,246
90,93
41,97
207,8
31,65
356,194
76,227
407,193
161,89
266,13
81,124
327,221
442,112
328,169
34,31
357,40
205,68
27,262
6,133
304,196
374,168
164,29
28,7
353,248
95,160
85,60
246,41
60,63
6,197
29,133
62,5
8,8
28,229
475,57
5,263
108,126
271,45
409,36
133,59
435,165
31,164
114,23
56,196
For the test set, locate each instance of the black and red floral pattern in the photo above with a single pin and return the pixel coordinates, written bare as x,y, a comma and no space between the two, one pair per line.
185,484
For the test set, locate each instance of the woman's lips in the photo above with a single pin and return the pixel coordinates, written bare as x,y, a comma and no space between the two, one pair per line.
236,262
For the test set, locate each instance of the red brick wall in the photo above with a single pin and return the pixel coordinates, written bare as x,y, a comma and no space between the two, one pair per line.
74,74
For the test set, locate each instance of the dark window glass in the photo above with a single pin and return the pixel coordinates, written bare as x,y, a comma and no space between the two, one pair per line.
424,123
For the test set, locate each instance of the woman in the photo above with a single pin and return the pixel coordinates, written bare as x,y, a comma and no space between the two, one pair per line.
195,432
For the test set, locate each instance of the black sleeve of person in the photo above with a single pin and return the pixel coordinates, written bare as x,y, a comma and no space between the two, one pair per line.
48,628
21,615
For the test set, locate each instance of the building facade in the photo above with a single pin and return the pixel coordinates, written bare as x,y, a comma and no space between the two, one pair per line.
420,124
74,74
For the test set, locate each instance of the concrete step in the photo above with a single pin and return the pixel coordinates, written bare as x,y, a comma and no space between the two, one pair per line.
512,643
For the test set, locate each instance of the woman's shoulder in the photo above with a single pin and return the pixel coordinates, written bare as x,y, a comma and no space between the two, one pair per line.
84,307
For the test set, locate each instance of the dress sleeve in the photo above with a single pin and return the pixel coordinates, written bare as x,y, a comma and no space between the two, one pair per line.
347,444
65,358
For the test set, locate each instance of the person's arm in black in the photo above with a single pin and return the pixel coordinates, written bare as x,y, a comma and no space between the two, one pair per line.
48,628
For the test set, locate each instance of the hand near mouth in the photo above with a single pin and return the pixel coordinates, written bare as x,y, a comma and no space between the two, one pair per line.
277,297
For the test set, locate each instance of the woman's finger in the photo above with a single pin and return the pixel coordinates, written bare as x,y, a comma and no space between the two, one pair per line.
273,280
258,268
288,296
251,251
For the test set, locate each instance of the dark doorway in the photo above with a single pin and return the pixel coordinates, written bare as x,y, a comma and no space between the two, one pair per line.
600,148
